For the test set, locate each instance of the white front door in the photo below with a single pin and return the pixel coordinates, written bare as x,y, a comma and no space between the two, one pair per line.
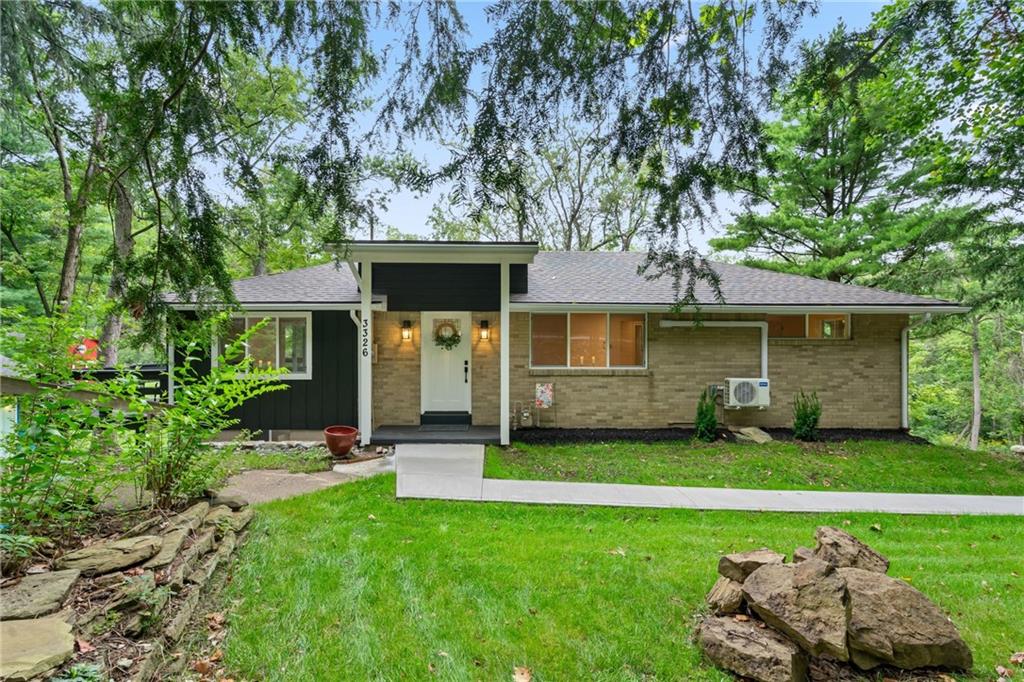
446,373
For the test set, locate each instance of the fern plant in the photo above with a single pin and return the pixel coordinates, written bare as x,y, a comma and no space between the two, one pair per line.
806,414
706,425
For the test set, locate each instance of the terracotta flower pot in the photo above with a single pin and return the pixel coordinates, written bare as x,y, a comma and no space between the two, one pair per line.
340,439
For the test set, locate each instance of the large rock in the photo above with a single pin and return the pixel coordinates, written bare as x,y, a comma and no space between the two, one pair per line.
806,601
104,557
235,502
36,595
191,517
892,623
726,596
754,652
842,550
32,647
741,564
169,548
802,554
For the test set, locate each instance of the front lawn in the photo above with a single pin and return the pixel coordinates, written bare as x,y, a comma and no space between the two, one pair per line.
876,466
349,583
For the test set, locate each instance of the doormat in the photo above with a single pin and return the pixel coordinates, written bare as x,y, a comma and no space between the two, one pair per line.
444,427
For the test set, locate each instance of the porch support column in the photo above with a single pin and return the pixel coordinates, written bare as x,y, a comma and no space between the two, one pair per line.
366,355
504,341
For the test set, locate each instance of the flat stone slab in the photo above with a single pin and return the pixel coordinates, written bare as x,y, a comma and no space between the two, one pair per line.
104,557
32,647
37,595
172,543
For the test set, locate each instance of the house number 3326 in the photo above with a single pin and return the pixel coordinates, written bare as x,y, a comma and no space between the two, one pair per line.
366,338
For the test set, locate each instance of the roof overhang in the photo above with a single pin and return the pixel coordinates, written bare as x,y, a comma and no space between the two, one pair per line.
522,306
436,252
380,303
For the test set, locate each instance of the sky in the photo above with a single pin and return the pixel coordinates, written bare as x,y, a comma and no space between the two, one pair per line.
408,211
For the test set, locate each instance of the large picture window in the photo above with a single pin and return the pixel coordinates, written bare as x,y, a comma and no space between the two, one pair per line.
811,326
588,340
284,342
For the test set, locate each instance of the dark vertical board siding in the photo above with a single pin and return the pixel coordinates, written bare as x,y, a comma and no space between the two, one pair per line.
444,286
328,398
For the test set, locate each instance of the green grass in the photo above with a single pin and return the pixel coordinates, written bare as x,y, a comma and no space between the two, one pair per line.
875,466
310,461
349,583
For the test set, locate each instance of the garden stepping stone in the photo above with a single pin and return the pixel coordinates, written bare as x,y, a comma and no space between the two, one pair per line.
893,623
738,566
32,647
842,550
726,596
755,652
37,595
104,557
806,601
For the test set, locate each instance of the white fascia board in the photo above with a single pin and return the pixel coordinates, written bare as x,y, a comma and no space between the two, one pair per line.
283,307
771,310
437,253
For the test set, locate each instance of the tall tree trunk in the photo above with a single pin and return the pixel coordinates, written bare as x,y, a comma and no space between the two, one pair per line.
976,382
124,244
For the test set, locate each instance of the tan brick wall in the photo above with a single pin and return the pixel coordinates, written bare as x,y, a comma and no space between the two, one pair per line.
857,380
396,372
486,367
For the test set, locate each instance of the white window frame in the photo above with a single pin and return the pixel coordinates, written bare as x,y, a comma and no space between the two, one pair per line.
607,344
807,327
275,315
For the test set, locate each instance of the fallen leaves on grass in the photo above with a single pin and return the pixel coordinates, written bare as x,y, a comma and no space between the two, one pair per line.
618,551
215,620
1017,658
521,674
84,646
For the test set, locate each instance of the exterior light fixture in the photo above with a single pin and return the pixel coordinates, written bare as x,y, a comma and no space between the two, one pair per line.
485,330
406,330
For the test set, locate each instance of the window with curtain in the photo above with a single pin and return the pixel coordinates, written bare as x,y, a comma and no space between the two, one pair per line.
548,340
284,342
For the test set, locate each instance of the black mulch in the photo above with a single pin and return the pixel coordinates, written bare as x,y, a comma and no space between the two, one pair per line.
565,436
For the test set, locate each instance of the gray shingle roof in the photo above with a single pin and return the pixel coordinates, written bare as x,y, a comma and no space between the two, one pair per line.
590,277
587,277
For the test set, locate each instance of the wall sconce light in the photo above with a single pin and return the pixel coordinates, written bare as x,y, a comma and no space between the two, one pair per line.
485,330
406,330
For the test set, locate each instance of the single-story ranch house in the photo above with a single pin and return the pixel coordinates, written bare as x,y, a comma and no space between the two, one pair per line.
468,341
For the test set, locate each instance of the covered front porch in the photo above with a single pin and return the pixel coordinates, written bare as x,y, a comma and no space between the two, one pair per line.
434,356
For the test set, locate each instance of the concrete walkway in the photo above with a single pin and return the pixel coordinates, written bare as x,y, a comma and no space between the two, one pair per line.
455,472
265,485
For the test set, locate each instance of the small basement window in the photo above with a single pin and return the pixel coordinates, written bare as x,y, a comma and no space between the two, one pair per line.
811,326
286,341
588,340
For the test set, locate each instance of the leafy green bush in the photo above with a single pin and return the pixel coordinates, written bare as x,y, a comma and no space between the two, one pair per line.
706,426
806,413
173,457
62,453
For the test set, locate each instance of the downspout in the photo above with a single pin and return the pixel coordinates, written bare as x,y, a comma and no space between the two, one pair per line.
905,370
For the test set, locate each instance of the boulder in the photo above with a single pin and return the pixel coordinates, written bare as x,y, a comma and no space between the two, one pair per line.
36,595
893,623
805,601
104,557
842,550
726,596
750,650
1017,449
218,515
755,435
235,502
738,566
802,554
32,647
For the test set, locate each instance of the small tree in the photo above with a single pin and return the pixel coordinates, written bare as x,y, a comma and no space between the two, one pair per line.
806,413
706,425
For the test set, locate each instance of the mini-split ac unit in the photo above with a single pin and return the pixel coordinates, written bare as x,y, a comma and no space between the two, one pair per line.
746,393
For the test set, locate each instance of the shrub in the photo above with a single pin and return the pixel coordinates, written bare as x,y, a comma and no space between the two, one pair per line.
706,426
806,413
62,453
174,459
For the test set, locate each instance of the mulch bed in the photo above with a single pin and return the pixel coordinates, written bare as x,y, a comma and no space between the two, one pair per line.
568,436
